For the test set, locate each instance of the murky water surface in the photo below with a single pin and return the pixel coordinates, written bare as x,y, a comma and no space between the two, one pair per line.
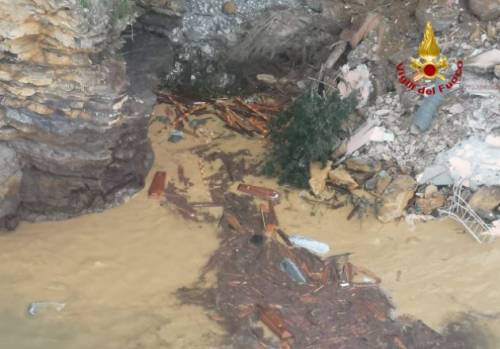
117,271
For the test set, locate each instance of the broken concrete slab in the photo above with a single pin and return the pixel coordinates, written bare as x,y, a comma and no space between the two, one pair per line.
473,162
367,133
436,174
484,62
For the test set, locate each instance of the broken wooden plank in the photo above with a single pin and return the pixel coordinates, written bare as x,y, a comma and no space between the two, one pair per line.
371,22
204,204
273,218
234,223
252,109
285,237
274,320
157,187
260,192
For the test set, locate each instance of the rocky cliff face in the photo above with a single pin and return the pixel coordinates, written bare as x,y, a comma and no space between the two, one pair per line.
73,135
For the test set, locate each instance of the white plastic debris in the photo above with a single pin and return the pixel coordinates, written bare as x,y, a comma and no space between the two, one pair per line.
35,307
413,218
357,79
314,246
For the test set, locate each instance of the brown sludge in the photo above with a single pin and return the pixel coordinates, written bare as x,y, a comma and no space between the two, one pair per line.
157,185
250,286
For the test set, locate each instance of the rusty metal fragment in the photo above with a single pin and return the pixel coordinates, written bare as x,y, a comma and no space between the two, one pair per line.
157,187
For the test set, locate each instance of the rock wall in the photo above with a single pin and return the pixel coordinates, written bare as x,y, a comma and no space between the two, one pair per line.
73,137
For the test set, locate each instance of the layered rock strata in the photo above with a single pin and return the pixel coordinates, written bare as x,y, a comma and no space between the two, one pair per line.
72,136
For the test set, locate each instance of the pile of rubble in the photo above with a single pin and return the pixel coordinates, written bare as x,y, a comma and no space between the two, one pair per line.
462,145
384,189
468,110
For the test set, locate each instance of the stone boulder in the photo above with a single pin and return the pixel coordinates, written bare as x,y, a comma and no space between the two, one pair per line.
341,177
363,165
431,202
485,200
396,197
485,9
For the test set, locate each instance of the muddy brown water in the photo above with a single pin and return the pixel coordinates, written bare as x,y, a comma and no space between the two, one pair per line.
117,271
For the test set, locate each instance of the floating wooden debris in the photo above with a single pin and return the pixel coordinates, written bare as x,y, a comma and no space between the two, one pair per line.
284,236
157,186
239,115
340,305
260,192
274,320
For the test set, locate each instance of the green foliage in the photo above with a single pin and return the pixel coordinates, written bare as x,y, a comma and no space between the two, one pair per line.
307,131
123,9
85,3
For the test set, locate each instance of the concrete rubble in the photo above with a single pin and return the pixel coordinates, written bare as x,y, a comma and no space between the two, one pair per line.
473,163
462,143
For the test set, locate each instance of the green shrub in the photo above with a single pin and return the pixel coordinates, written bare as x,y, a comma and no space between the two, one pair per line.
123,9
307,131
85,3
